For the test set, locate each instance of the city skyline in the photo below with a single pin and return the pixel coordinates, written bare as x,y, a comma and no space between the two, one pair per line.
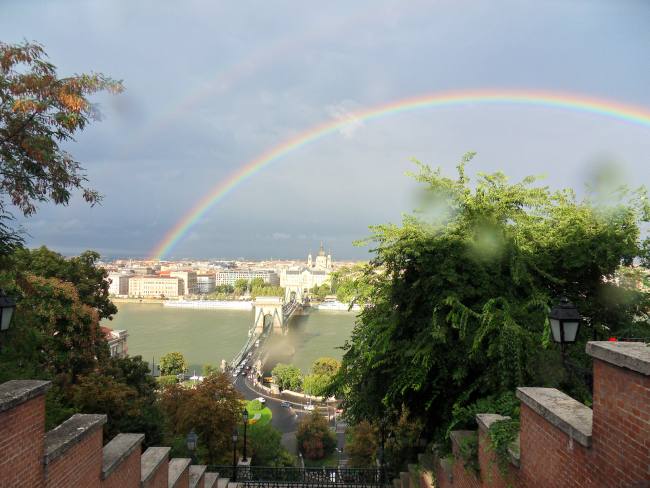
225,85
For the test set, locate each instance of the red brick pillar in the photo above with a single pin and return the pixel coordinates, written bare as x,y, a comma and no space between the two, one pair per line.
22,431
621,423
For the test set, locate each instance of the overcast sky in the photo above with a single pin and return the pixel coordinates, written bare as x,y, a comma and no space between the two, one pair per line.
212,84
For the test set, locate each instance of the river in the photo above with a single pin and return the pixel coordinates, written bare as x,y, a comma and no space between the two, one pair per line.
208,336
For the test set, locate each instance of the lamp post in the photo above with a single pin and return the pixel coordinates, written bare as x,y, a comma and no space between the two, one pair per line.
565,322
244,415
191,440
7,307
234,454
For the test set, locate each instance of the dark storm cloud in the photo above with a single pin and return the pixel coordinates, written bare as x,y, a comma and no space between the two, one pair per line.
211,86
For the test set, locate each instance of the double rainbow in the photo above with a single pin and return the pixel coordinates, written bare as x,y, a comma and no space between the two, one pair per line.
566,101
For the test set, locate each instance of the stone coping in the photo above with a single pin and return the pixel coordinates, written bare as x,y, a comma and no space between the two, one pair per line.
116,451
485,420
630,355
177,467
15,392
570,416
210,480
447,469
69,433
151,460
458,436
196,472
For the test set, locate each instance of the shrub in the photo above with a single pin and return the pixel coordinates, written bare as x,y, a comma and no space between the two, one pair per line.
167,380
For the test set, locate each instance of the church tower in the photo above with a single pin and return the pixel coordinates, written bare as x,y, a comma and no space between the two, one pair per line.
321,259
309,262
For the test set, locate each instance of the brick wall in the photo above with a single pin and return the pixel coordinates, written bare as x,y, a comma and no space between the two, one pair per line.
564,444
160,479
79,466
127,473
621,428
22,426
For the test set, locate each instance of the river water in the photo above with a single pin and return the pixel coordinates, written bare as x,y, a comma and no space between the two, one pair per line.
208,336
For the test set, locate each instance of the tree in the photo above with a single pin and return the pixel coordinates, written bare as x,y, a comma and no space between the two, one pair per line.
316,384
90,281
257,283
212,408
362,447
287,377
325,366
241,285
315,440
209,369
39,111
172,363
458,295
265,443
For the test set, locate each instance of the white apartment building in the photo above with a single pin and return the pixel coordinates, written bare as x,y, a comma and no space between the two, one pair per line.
229,276
118,284
189,279
156,286
205,283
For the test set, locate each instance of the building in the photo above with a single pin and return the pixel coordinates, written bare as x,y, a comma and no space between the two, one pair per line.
118,284
156,287
189,279
206,283
116,341
230,276
298,281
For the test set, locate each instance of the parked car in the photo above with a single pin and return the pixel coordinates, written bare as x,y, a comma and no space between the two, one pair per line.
262,400
309,407
285,404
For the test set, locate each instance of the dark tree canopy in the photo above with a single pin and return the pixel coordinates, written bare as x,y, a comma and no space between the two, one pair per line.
458,295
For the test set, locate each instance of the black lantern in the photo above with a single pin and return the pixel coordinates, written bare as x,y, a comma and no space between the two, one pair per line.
565,322
234,454
7,307
191,440
244,415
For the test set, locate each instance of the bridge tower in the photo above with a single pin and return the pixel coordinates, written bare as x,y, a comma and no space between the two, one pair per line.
268,313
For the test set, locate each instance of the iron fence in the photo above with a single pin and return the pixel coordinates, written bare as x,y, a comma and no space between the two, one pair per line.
269,477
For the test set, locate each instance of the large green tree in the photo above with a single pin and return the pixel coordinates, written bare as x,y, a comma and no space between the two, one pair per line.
457,297
287,377
172,363
39,111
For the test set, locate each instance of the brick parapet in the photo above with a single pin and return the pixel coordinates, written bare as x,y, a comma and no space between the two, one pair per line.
121,461
155,468
22,428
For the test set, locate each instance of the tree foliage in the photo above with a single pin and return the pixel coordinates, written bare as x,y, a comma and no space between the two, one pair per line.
315,440
265,444
287,377
458,295
362,447
38,112
212,408
172,363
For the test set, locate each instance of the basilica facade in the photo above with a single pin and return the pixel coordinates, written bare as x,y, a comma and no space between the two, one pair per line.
298,280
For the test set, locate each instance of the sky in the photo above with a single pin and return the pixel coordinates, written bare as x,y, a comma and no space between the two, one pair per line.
210,85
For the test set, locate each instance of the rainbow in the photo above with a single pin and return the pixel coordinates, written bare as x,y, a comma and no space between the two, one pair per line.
566,101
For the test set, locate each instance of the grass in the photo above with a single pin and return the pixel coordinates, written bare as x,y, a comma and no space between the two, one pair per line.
265,414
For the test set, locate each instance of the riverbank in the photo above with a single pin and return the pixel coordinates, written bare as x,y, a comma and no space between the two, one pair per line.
157,301
210,304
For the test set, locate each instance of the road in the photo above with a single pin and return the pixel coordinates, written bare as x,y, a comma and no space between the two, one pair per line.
284,419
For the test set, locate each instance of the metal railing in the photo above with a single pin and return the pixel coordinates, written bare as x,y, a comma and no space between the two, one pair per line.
269,477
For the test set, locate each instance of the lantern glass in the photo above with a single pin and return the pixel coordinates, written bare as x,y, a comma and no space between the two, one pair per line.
245,415
191,440
234,436
570,331
555,329
7,312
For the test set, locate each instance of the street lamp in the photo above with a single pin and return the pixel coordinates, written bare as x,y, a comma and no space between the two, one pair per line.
7,307
191,440
245,417
234,454
565,322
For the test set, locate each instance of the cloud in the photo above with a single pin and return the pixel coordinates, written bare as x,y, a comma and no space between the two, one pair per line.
345,112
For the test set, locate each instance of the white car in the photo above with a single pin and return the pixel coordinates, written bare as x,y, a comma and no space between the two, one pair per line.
309,407
262,400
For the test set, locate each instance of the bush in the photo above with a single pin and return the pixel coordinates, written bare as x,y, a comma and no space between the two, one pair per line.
255,406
